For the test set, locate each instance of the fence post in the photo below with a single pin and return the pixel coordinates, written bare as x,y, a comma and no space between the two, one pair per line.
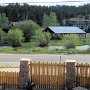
70,74
24,71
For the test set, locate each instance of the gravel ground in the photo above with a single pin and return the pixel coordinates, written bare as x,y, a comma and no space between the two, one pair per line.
15,58
9,69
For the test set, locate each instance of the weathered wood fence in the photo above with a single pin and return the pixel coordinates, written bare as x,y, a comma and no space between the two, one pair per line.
83,75
48,75
9,79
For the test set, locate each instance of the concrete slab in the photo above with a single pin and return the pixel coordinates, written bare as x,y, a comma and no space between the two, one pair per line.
79,88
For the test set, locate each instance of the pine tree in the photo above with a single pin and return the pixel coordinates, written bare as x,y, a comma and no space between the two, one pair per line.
53,19
50,20
3,20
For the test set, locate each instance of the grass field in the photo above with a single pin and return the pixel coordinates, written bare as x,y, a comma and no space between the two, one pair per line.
7,65
31,47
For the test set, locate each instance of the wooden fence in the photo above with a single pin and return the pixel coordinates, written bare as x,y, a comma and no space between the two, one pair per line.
83,75
9,79
48,75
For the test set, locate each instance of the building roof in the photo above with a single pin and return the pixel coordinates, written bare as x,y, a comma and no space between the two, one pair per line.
65,29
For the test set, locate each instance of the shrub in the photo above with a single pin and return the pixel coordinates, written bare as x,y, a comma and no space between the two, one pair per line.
70,41
43,38
88,41
28,27
15,37
2,37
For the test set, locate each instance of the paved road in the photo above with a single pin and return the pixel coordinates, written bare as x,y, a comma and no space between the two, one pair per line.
15,58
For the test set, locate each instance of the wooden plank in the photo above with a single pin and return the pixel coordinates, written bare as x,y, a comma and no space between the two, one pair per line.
78,74
58,74
54,75
0,78
47,74
34,72
63,75
41,76
49,67
50,75
43,72
38,74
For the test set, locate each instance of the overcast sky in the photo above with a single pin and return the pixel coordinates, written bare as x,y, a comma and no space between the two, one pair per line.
48,2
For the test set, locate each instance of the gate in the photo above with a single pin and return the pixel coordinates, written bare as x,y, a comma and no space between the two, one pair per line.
48,75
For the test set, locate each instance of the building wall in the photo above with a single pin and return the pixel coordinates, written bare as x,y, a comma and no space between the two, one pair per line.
81,23
60,36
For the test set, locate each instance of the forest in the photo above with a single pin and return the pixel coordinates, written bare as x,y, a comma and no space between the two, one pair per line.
17,12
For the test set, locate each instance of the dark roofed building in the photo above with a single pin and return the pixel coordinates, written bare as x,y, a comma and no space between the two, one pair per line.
82,23
59,31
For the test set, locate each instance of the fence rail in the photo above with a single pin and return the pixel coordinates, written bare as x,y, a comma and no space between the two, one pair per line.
48,75
9,79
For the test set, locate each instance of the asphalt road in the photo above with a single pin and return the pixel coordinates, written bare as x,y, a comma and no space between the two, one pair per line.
15,58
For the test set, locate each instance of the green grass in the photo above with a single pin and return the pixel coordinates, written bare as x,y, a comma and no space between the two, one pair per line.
61,42
51,43
25,48
42,51
15,50
30,44
9,66
56,43
88,41
35,43
79,43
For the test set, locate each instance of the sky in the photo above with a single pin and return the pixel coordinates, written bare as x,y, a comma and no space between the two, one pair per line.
47,2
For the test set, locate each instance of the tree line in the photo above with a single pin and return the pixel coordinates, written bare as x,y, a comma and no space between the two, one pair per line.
17,12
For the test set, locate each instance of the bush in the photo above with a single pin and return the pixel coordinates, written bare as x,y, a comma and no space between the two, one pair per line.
28,27
2,37
15,37
43,38
88,41
70,41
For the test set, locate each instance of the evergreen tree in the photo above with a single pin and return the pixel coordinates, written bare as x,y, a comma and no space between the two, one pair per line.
53,19
50,20
46,20
3,20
